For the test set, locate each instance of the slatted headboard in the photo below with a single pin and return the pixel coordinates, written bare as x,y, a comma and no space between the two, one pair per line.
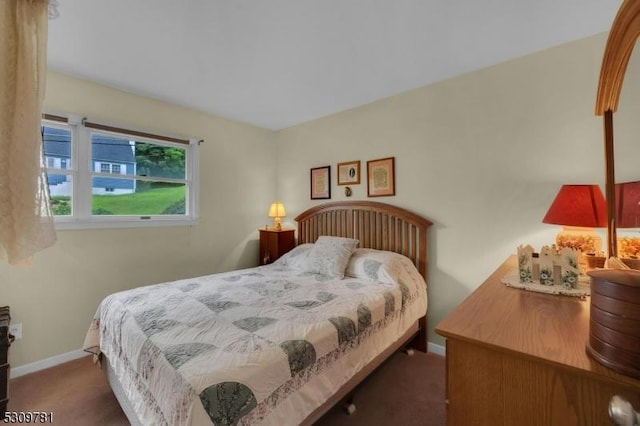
377,225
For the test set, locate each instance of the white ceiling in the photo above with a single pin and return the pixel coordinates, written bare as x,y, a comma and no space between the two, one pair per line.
277,63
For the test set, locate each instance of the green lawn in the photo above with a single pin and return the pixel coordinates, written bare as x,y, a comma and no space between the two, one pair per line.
156,201
147,202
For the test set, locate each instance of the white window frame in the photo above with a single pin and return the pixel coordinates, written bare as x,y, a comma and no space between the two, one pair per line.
80,170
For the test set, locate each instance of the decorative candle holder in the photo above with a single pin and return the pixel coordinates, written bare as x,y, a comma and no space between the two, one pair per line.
551,271
525,264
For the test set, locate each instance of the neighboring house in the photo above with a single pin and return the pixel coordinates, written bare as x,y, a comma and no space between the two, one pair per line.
115,156
57,154
110,155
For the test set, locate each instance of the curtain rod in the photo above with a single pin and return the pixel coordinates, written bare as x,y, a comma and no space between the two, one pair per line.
98,126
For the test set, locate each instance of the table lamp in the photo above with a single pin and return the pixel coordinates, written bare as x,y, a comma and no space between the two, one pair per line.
276,211
578,208
628,205
628,216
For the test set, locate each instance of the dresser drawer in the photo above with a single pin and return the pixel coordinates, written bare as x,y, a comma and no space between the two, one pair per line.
4,379
5,342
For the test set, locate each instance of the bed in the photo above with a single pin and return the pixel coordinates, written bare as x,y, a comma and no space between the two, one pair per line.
276,344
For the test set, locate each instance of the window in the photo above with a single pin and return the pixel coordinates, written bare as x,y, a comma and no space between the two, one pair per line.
57,138
102,176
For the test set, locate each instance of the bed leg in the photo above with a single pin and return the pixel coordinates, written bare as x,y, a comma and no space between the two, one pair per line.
420,341
349,406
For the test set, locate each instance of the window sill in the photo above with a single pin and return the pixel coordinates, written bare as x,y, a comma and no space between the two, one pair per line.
136,222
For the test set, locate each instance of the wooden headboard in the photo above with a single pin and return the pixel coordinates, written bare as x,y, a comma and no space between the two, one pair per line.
377,225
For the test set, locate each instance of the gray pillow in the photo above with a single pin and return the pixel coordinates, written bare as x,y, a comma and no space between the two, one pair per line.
330,256
298,258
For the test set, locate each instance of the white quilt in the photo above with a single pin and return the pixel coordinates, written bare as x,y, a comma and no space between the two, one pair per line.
231,348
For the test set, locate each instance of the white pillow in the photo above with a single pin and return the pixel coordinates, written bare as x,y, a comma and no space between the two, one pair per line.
298,258
378,265
330,256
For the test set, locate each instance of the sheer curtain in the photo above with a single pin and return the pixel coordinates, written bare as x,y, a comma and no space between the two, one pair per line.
26,222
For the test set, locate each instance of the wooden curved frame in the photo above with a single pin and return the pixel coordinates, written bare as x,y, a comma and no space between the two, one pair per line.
377,225
622,39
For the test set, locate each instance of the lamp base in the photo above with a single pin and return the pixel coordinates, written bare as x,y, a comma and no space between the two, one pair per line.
585,240
276,224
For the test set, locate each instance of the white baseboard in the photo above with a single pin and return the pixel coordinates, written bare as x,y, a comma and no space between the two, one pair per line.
46,363
79,353
436,349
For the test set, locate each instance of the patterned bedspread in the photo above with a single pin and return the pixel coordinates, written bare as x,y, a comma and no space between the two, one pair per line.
231,347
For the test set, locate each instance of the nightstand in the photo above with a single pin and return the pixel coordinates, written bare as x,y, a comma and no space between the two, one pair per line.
274,244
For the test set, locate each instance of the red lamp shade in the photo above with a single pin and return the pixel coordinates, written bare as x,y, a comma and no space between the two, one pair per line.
628,205
578,205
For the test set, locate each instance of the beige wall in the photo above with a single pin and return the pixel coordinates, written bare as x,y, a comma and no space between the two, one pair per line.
56,298
481,155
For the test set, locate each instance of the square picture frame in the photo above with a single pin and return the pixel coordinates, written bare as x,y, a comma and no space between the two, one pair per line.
381,179
349,173
320,183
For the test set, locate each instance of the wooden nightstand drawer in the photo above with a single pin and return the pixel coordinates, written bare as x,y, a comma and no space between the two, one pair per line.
274,244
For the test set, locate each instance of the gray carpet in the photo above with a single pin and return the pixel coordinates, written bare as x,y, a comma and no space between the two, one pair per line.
406,390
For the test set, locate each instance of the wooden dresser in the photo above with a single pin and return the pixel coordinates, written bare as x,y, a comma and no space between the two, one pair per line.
516,357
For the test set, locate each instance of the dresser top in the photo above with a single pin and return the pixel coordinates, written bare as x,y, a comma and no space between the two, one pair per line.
548,328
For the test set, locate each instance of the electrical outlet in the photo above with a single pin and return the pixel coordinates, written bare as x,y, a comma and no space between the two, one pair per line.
16,330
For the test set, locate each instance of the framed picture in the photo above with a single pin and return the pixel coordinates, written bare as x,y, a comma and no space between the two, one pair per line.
381,180
321,183
349,173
